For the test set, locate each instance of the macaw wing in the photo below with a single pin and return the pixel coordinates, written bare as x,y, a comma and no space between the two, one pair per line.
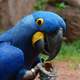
11,60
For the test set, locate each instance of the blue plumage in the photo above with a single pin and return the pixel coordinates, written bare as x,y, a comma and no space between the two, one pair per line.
11,60
16,49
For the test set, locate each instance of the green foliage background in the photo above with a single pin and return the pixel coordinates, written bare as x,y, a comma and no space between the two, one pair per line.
40,5
70,51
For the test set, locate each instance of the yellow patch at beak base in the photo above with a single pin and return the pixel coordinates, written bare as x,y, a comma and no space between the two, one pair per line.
37,36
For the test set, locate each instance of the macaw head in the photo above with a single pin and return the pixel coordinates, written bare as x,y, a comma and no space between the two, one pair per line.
48,24
48,21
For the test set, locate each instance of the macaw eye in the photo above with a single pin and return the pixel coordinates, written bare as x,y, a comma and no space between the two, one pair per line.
39,21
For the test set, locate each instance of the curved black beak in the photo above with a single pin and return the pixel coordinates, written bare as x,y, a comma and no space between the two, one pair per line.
56,44
39,45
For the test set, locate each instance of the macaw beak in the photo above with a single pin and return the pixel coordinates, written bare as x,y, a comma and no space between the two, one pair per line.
56,44
53,46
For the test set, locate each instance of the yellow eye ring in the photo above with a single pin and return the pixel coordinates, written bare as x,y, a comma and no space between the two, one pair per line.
39,21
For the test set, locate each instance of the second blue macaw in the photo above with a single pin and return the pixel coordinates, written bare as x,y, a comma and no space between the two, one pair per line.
17,50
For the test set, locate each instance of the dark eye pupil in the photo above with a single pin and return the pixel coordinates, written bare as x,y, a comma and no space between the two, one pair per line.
39,22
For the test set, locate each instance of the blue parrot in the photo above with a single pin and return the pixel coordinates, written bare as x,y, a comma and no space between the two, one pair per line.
19,47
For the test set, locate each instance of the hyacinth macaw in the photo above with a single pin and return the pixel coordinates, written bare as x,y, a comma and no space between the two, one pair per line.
19,45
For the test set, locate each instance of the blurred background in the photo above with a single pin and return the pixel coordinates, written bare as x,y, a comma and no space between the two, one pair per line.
13,10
